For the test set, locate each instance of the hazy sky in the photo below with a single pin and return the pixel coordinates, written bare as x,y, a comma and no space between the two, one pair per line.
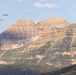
36,10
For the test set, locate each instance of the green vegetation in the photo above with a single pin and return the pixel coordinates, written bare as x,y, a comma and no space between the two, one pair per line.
71,70
17,70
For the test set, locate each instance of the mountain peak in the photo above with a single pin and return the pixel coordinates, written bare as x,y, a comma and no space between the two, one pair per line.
53,20
18,22
24,29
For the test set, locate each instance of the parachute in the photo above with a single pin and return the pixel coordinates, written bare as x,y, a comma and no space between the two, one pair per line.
5,16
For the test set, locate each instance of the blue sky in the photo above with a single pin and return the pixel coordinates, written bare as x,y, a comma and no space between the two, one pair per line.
35,10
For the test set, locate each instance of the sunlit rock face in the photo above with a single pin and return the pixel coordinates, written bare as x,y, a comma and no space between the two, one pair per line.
23,30
48,42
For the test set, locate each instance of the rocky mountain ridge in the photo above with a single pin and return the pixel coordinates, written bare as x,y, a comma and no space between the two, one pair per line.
49,42
22,30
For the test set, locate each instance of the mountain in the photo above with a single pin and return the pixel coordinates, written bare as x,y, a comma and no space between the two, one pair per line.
70,70
35,70
24,31
50,42
17,70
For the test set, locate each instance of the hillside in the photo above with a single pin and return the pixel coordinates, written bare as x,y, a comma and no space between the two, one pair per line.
35,70
17,70
71,70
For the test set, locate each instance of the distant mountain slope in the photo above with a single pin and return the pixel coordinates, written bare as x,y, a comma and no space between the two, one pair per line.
21,69
17,70
71,70
50,42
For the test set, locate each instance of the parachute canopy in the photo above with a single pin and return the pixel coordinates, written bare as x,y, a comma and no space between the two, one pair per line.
5,14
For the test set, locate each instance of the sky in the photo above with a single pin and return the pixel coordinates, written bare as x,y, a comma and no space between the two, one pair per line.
36,10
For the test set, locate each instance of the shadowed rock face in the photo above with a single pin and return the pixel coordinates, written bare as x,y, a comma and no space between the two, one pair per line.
17,70
71,70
